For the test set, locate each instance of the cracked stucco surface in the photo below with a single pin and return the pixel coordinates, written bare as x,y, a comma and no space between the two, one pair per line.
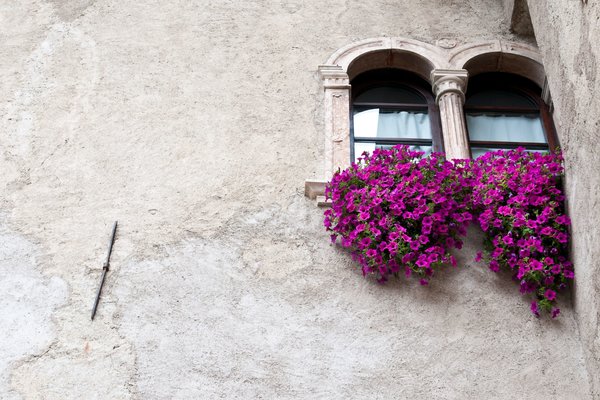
195,124
261,324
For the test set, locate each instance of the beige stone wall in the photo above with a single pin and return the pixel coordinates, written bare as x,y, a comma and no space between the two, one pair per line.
568,34
195,124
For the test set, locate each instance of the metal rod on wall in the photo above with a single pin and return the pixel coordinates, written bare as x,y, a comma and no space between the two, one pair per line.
105,268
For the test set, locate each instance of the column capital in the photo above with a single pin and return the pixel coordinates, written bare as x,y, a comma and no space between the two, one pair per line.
449,81
334,77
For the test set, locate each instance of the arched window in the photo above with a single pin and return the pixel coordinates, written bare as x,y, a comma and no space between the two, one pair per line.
370,83
505,111
391,107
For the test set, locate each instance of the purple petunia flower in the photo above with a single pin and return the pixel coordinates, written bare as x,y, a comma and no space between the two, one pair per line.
536,265
550,294
534,308
398,205
569,274
494,266
365,242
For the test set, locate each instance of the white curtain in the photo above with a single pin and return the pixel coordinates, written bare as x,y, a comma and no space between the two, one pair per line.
505,128
392,124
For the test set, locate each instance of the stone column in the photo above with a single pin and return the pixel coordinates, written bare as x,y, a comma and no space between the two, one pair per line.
336,106
337,118
449,87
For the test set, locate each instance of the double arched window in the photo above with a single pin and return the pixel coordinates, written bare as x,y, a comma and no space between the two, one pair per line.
384,91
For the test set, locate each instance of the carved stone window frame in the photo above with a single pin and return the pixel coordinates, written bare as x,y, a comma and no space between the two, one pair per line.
445,66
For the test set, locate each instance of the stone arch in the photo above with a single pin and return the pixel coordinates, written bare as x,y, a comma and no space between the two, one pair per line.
407,54
499,56
346,63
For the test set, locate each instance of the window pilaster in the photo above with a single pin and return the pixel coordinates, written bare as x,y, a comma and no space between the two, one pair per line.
336,85
449,87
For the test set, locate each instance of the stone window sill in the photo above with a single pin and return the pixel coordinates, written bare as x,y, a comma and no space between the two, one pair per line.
315,190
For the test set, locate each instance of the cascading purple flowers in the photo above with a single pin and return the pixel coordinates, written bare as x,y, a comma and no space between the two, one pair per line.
399,211
517,196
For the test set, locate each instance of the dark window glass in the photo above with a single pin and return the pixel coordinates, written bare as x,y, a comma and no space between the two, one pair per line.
500,98
390,94
505,112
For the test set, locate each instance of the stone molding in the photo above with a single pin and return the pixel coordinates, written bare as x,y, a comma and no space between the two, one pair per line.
460,55
345,56
499,56
314,188
334,77
446,80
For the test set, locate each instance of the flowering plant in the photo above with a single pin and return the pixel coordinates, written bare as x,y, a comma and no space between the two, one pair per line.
397,210
520,206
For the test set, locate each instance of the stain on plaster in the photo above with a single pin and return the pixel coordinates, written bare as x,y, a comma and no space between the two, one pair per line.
26,306
70,10
62,44
266,311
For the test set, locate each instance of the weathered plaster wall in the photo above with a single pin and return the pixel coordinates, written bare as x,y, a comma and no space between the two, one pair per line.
568,33
28,300
195,124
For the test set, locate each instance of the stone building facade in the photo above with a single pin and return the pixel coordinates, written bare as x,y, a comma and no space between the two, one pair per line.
199,125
